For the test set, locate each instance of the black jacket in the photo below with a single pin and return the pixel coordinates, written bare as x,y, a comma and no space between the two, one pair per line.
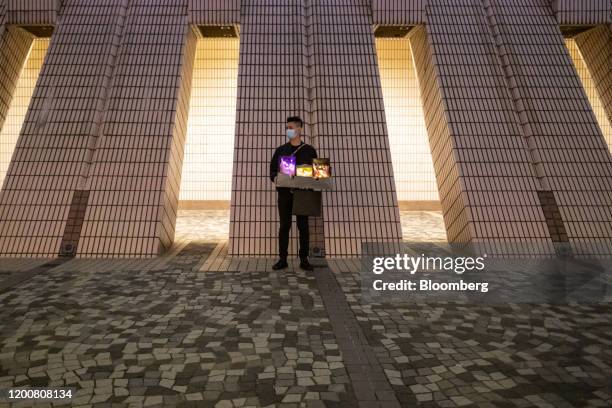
303,156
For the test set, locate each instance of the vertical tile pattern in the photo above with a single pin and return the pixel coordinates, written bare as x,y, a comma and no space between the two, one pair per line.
2,16
134,178
397,12
104,135
316,224
557,119
582,11
20,103
349,123
595,48
214,12
32,12
486,181
209,148
271,86
415,179
64,115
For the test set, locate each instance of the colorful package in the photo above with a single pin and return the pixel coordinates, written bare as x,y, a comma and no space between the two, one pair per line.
304,170
287,165
321,168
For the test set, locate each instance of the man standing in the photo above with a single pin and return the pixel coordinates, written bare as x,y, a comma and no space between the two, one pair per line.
304,153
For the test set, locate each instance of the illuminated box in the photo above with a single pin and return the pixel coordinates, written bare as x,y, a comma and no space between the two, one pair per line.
286,165
303,170
321,168
304,179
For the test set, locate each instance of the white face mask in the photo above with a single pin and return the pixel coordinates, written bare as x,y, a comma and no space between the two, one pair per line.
291,133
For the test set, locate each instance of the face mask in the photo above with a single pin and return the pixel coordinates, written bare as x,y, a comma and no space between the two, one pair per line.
291,133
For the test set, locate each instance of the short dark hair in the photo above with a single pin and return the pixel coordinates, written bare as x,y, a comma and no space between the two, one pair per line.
295,119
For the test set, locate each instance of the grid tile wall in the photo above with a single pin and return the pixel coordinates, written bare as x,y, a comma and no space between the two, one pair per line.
32,12
556,117
349,123
271,86
595,47
20,102
602,63
487,186
398,12
135,176
582,11
215,12
2,16
64,115
207,168
488,167
415,179
316,224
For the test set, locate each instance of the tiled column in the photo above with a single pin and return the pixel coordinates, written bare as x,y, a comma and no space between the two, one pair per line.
555,116
582,12
349,123
214,12
134,178
595,45
398,12
271,86
63,117
487,187
32,12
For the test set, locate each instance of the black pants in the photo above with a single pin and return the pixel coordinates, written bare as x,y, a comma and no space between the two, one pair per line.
285,203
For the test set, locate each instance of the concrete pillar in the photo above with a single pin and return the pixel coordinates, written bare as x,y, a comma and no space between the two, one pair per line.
134,178
63,118
487,183
555,115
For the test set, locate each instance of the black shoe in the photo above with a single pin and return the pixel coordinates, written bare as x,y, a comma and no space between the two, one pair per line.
304,264
281,264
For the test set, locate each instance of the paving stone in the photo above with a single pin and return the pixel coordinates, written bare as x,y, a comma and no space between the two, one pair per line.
256,337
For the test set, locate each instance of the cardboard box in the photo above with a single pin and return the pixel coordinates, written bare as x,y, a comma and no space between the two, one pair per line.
282,180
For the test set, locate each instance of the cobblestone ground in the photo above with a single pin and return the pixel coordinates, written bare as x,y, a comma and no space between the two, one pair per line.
169,336
169,332
519,355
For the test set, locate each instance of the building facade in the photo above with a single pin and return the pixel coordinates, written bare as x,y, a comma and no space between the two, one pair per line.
113,112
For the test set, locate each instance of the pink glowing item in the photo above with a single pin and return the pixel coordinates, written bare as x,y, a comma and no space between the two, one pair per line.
287,165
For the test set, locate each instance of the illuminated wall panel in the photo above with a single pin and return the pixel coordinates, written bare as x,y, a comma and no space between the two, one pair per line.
207,166
19,105
415,179
595,47
591,91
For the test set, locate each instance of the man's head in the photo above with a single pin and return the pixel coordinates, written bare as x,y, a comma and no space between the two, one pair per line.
294,127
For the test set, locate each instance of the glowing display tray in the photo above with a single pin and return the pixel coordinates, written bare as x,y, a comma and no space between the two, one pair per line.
282,180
